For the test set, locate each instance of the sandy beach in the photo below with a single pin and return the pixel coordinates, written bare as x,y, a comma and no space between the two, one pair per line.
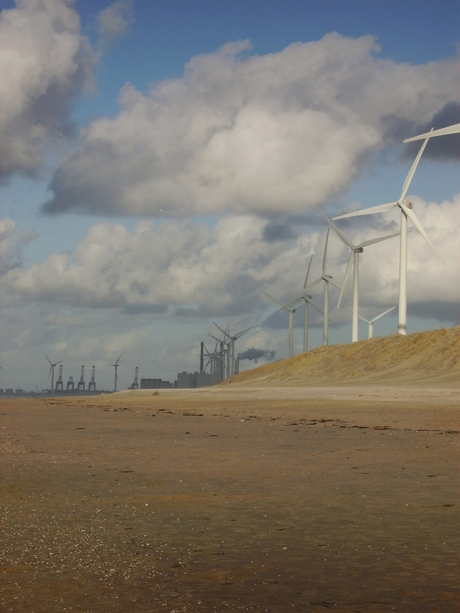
233,499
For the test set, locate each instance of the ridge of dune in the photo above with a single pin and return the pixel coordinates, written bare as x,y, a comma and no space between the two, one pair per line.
422,358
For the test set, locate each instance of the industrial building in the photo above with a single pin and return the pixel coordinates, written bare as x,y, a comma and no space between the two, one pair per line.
155,384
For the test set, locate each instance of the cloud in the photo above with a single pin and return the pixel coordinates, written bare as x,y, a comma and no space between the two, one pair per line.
12,244
45,63
278,231
180,263
187,271
114,21
280,133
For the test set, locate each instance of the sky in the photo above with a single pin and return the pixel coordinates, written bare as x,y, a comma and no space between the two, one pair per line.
162,164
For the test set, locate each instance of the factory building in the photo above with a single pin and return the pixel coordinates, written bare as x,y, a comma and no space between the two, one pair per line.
186,380
155,384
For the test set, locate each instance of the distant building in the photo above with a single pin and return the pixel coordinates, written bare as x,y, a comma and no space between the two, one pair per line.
186,380
204,379
197,379
18,390
150,384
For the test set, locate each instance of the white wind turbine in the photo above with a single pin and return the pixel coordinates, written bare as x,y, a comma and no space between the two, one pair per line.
51,372
308,299
291,321
328,279
406,212
116,365
372,321
354,261
232,339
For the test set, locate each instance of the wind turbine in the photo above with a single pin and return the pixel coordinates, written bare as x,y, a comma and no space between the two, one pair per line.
291,321
51,372
372,321
232,340
221,355
308,299
354,261
328,279
116,365
406,212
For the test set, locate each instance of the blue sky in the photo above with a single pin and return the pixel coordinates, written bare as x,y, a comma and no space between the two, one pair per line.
186,168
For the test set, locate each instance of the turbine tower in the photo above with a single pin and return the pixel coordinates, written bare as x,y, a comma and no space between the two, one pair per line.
51,372
372,321
291,321
406,212
219,356
328,279
116,365
215,360
354,261
232,339
308,299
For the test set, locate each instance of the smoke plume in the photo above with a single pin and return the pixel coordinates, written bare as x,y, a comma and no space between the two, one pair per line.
254,354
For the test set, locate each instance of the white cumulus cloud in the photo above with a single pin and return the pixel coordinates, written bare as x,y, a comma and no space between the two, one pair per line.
186,269
251,134
45,63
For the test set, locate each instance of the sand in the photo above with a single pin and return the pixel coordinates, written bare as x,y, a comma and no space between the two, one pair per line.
233,498
423,359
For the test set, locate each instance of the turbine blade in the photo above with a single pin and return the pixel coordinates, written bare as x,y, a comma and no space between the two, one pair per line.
308,271
381,315
116,363
341,236
347,272
214,337
411,215
238,334
372,241
295,301
314,284
454,129
223,331
47,358
283,306
325,252
310,301
339,287
380,208
413,169
362,319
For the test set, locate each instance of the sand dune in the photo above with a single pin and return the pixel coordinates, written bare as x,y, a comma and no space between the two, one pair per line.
425,358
